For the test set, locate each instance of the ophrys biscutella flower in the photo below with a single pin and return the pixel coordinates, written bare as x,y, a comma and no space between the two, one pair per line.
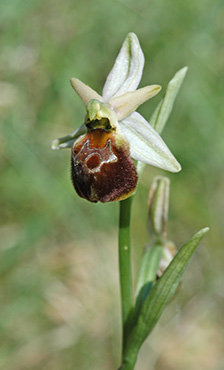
113,133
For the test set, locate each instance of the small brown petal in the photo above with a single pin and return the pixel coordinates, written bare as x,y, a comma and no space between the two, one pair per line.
102,169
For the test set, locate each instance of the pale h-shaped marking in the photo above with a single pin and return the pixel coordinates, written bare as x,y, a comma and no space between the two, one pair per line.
105,155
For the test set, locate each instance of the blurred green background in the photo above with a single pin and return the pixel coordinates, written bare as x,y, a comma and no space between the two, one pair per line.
59,289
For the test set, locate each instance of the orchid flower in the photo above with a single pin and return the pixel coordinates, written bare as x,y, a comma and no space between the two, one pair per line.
113,132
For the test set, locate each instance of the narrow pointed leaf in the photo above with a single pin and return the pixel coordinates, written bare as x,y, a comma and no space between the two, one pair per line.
130,101
147,274
165,106
149,265
84,91
146,145
160,295
67,141
127,70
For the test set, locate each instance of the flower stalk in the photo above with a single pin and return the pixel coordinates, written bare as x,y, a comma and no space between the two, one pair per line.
125,267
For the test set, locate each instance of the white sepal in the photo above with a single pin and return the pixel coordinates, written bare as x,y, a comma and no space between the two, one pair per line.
146,145
127,70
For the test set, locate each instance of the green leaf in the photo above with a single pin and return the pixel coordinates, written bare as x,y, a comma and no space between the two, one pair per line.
159,296
165,106
147,274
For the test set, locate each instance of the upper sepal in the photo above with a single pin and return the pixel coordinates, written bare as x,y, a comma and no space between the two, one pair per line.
127,70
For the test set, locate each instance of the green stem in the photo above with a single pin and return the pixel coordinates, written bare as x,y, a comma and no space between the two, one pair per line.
130,365
125,267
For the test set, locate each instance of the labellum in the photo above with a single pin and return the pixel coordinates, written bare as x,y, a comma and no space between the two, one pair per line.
102,169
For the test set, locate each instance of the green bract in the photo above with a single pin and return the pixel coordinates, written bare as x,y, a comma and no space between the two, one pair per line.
115,109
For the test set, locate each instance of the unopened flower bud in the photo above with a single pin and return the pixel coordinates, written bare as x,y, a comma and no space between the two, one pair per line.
158,204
